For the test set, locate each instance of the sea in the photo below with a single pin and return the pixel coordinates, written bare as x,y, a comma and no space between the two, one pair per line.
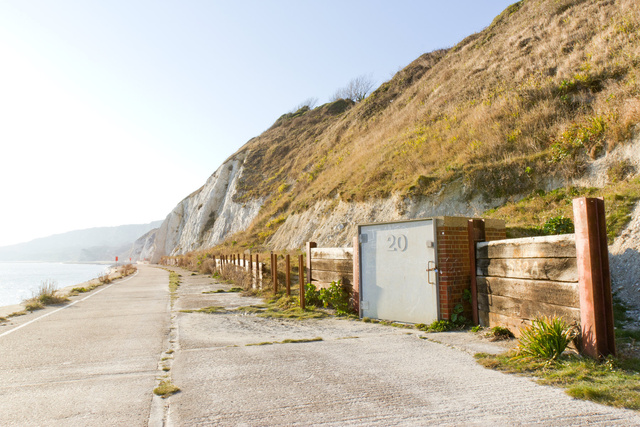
19,280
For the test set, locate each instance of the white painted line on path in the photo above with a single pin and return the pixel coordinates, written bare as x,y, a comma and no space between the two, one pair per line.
66,306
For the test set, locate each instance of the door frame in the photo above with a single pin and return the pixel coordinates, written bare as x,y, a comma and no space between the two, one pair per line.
434,221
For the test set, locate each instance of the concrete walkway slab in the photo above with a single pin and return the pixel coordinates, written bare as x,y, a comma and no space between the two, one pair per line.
359,374
91,363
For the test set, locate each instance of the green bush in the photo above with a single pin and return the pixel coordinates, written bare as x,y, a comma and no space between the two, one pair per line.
558,225
311,295
546,338
335,296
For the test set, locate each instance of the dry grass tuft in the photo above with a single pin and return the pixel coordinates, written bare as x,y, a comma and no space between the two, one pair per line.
47,294
166,389
127,270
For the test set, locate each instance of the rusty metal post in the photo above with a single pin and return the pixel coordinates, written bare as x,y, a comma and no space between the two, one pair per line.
594,278
476,233
310,245
301,280
258,273
288,272
274,271
355,296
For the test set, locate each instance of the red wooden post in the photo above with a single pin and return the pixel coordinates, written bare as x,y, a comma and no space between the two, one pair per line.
288,272
476,233
356,275
301,280
594,278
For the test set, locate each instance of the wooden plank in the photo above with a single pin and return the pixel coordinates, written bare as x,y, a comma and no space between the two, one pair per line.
331,253
331,276
524,309
490,320
558,293
557,269
562,246
338,265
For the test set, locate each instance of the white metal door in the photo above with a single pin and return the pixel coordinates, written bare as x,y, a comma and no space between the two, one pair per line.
395,259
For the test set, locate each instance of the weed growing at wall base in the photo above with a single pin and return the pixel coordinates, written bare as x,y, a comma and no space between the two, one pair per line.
335,296
546,338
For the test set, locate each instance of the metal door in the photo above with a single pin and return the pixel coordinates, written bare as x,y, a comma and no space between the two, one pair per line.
398,276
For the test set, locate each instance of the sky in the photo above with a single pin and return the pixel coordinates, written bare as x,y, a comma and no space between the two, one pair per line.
111,112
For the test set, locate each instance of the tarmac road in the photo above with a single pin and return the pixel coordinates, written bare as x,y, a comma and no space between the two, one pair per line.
93,363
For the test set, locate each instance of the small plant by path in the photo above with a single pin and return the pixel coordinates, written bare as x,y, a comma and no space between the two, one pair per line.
174,284
498,333
437,326
47,294
335,296
223,291
287,341
546,338
165,389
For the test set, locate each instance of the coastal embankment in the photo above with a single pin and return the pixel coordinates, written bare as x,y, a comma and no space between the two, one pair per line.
106,275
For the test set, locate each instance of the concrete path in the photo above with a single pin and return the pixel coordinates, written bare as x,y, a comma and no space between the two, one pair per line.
93,363
359,374
96,363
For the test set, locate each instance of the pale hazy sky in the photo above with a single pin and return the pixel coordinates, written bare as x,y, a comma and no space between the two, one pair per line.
113,111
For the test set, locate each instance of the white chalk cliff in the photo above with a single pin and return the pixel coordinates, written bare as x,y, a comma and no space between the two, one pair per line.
204,218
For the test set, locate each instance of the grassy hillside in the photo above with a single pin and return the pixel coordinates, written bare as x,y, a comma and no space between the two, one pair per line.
513,111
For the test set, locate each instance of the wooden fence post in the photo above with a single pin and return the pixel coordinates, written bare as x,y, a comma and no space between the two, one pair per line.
594,278
301,280
355,284
288,272
476,233
310,245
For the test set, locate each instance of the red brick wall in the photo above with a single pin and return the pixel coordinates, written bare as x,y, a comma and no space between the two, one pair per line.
454,262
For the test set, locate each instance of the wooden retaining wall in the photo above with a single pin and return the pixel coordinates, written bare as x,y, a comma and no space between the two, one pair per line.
326,265
521,279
